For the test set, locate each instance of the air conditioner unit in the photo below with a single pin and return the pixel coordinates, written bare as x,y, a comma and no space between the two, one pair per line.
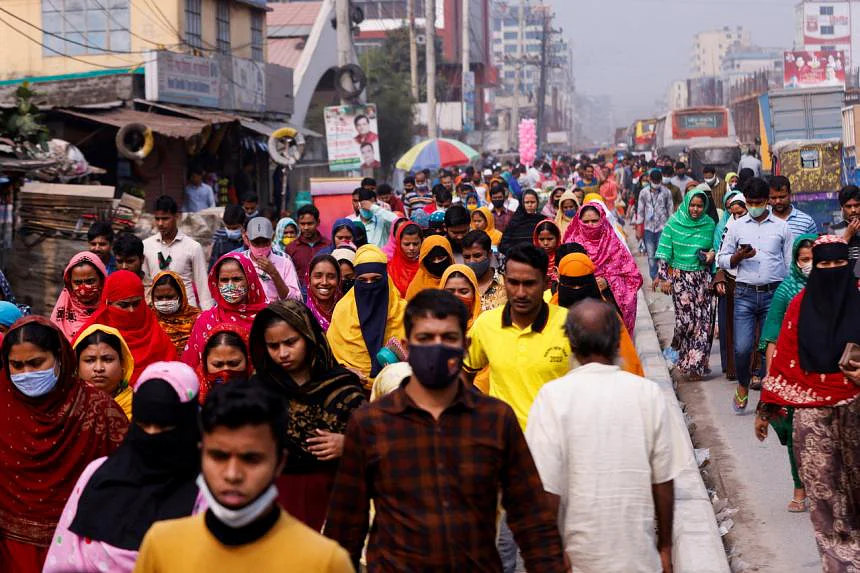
420,39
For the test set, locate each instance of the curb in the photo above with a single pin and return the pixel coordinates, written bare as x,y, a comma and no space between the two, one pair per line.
697,545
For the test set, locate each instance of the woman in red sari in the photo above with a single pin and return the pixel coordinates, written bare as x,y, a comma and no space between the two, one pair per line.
238,294
807,374
404,261
53,425
122,307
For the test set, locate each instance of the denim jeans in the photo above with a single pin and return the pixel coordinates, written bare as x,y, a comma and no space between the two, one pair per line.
652,239
509,553
750,307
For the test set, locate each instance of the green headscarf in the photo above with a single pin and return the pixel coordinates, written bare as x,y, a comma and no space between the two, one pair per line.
684,236
278,243
787,290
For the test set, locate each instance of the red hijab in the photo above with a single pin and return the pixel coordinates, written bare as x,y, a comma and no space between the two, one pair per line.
240,314
206,381
140,328
401,269
48,441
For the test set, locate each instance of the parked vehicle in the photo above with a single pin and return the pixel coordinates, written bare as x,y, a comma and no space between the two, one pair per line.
642,135
723,154
850,123
814,167
814,113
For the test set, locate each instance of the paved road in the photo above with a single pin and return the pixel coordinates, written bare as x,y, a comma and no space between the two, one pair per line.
754,476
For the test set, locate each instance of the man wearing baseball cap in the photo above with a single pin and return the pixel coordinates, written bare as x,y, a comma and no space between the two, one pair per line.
277,273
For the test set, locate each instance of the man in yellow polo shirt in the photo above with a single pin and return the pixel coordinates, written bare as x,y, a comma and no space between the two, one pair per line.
525,345
524,341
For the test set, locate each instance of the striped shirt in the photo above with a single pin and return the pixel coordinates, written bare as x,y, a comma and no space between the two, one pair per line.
799,223
417,199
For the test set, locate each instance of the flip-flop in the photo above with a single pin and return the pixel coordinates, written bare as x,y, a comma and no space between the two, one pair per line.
739,405
797,506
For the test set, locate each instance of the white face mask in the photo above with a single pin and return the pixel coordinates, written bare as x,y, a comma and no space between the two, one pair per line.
805,269
237,518
167,306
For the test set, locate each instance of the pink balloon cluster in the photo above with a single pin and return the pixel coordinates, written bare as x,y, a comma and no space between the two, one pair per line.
528,141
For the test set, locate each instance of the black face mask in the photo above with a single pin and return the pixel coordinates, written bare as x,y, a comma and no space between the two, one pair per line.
346,284
498,203
571,290
436,269
436,366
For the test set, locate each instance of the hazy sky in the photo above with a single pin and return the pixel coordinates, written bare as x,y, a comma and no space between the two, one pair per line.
618,50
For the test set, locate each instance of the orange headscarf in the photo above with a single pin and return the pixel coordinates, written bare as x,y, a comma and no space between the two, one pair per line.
473,280
578,265
176,326
495,234
423,279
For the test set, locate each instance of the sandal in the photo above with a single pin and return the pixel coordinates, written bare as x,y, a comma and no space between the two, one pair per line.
755,383
797,506
739,405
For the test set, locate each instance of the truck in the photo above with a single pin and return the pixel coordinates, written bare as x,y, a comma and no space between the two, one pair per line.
810,113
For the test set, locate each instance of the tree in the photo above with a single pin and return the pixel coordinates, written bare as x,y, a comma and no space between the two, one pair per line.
23,123
387,70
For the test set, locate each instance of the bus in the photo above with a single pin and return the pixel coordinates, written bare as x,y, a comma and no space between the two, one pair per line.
679,129
641,135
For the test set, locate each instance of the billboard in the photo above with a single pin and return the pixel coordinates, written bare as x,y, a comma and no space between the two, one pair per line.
826,23
814,69
352,137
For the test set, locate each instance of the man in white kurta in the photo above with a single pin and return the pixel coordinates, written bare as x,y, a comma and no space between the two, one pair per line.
601,438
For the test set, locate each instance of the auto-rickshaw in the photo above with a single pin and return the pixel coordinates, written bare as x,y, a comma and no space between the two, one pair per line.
814,168
723,154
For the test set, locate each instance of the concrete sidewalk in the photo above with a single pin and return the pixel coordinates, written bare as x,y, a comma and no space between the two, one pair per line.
697,546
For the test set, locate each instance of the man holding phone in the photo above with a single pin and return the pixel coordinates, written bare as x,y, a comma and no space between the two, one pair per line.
758,246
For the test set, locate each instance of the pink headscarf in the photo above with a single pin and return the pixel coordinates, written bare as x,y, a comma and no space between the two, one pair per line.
180,376
611,259
388,249
69,313
224,312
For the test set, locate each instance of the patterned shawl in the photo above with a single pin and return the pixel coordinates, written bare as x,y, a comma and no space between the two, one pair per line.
612,260
176,326
69,313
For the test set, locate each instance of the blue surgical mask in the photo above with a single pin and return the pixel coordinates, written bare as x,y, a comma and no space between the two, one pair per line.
233,234
365,214
35,384
570,213
756,212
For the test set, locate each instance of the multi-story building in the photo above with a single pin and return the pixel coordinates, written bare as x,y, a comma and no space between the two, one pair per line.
711,46
382,16
741,61
829,26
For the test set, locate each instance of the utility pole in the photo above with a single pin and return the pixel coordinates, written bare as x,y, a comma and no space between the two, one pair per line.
465,72
413,49
430,47
541,108
518,67
344,37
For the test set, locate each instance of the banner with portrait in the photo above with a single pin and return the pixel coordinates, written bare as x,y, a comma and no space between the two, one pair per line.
352,137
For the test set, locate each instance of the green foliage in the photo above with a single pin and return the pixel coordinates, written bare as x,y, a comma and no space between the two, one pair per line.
23,123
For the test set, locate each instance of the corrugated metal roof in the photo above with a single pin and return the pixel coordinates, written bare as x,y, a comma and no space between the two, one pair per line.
166,125
207,115
286,51
293,14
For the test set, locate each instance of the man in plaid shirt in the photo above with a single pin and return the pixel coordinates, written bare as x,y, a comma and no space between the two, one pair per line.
432,456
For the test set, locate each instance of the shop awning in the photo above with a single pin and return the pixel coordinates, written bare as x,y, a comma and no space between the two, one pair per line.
166,125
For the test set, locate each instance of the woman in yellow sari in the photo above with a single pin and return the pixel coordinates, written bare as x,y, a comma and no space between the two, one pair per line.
576,281
368,315
460,281
483,220
435,256
105,362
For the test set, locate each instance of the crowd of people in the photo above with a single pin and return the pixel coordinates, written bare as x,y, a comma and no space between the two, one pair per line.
425,388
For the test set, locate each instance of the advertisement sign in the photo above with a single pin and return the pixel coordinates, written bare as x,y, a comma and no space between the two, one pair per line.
352,137
221,82
814,69
826,23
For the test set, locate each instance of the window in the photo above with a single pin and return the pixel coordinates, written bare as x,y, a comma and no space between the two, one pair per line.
825,10
810,159
257,36
222,19
535,35
510,48
90,26
826,30
510,35
193,26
